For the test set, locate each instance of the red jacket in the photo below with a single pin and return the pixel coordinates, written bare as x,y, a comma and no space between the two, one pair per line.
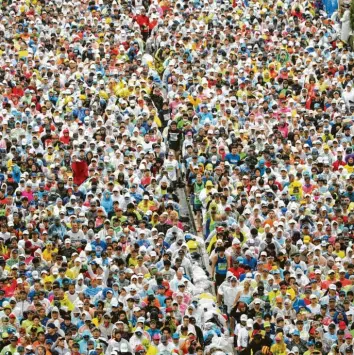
65,139
143,21
80,171
337,164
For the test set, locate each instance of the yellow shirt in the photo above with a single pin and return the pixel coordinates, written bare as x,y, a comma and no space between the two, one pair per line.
340,254
3,250
47,254
349,169
27,324
145,207
50,278
39,329
133,262
75,271
351,207
272,295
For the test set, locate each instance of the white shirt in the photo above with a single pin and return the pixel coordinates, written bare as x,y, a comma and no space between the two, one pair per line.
242,337
171,168
168,347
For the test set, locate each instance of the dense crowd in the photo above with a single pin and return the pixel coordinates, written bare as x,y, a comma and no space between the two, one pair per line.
110,112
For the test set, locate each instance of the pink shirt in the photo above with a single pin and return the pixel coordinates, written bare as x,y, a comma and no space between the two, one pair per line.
27,194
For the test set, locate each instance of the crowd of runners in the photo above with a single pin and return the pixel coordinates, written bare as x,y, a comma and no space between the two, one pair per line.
113,113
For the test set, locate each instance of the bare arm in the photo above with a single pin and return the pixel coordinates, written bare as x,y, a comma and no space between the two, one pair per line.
213,264
236,299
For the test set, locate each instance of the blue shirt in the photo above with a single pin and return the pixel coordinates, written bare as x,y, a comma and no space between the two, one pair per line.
232,158
252,262
161,299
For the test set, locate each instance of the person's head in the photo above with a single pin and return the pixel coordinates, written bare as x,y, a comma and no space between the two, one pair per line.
13,341
221,250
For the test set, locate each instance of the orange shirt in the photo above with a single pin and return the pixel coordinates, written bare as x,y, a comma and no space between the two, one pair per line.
269,221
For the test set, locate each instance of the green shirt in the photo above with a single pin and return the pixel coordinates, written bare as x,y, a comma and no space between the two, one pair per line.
197,189
8,348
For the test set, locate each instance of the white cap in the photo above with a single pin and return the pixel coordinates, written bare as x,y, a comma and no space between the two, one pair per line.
244,318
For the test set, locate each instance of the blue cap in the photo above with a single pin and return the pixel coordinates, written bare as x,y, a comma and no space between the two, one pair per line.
175,336
296,332
310,343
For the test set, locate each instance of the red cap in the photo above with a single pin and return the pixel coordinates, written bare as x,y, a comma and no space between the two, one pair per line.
255,332
312,275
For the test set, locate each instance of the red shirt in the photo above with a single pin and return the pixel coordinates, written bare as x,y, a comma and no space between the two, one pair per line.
345,282
10,289
237,271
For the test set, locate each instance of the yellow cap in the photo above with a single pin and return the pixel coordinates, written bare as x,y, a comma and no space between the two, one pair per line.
307,239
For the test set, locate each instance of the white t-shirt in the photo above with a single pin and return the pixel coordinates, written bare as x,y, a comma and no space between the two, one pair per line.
171,168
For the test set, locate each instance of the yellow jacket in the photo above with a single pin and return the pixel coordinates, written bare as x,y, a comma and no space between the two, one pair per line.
153,350
279,348
145,208
47,254
295,189
66,303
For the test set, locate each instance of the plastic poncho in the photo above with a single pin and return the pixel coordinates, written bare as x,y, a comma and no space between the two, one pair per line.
107,202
